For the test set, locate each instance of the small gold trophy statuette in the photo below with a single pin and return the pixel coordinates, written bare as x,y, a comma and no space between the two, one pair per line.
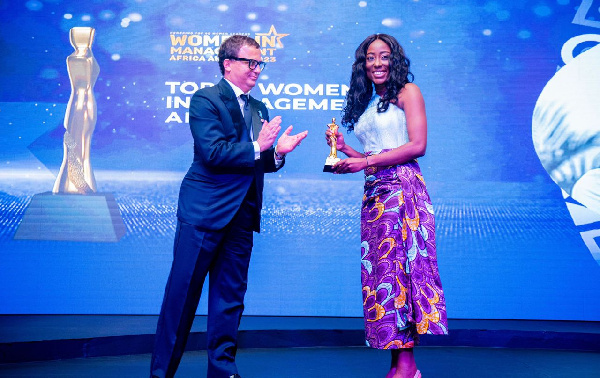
332,158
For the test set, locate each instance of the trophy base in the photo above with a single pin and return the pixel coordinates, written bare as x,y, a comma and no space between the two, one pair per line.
328,168
329,163
72,217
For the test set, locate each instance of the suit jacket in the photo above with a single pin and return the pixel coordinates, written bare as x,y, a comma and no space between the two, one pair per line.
224,167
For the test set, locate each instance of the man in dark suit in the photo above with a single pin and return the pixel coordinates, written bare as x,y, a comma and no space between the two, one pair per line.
219,209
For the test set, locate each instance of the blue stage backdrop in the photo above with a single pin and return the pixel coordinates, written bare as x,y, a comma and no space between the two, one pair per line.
513,179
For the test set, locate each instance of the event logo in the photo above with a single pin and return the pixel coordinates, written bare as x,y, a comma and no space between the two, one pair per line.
269,43
204,46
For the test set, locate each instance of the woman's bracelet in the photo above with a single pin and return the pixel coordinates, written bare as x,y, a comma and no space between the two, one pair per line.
367,159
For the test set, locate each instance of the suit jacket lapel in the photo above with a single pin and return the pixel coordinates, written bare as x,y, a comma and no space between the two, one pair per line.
233,106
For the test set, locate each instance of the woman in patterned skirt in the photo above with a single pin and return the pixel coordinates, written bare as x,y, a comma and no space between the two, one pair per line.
402,291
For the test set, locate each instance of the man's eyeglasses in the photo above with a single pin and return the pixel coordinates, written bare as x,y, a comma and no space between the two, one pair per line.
251,63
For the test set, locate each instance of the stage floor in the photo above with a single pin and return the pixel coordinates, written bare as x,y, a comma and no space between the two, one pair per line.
119,346
334,362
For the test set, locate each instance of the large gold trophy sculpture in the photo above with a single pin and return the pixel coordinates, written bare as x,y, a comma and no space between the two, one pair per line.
76,174
74,211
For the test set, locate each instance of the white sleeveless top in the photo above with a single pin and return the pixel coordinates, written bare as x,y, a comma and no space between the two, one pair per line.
378,131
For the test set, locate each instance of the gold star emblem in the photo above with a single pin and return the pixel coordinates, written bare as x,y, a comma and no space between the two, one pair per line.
273,33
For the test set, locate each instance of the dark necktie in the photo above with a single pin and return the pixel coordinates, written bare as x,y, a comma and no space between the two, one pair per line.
247,113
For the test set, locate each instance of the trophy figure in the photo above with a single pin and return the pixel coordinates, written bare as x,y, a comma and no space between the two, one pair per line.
74,211
76,175
332,158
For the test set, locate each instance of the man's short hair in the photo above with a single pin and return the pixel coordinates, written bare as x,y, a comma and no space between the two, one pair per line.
231,47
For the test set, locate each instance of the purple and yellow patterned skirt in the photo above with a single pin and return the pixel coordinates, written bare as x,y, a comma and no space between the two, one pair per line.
402,290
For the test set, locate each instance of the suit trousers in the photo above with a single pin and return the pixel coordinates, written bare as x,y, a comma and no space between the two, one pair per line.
225,256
